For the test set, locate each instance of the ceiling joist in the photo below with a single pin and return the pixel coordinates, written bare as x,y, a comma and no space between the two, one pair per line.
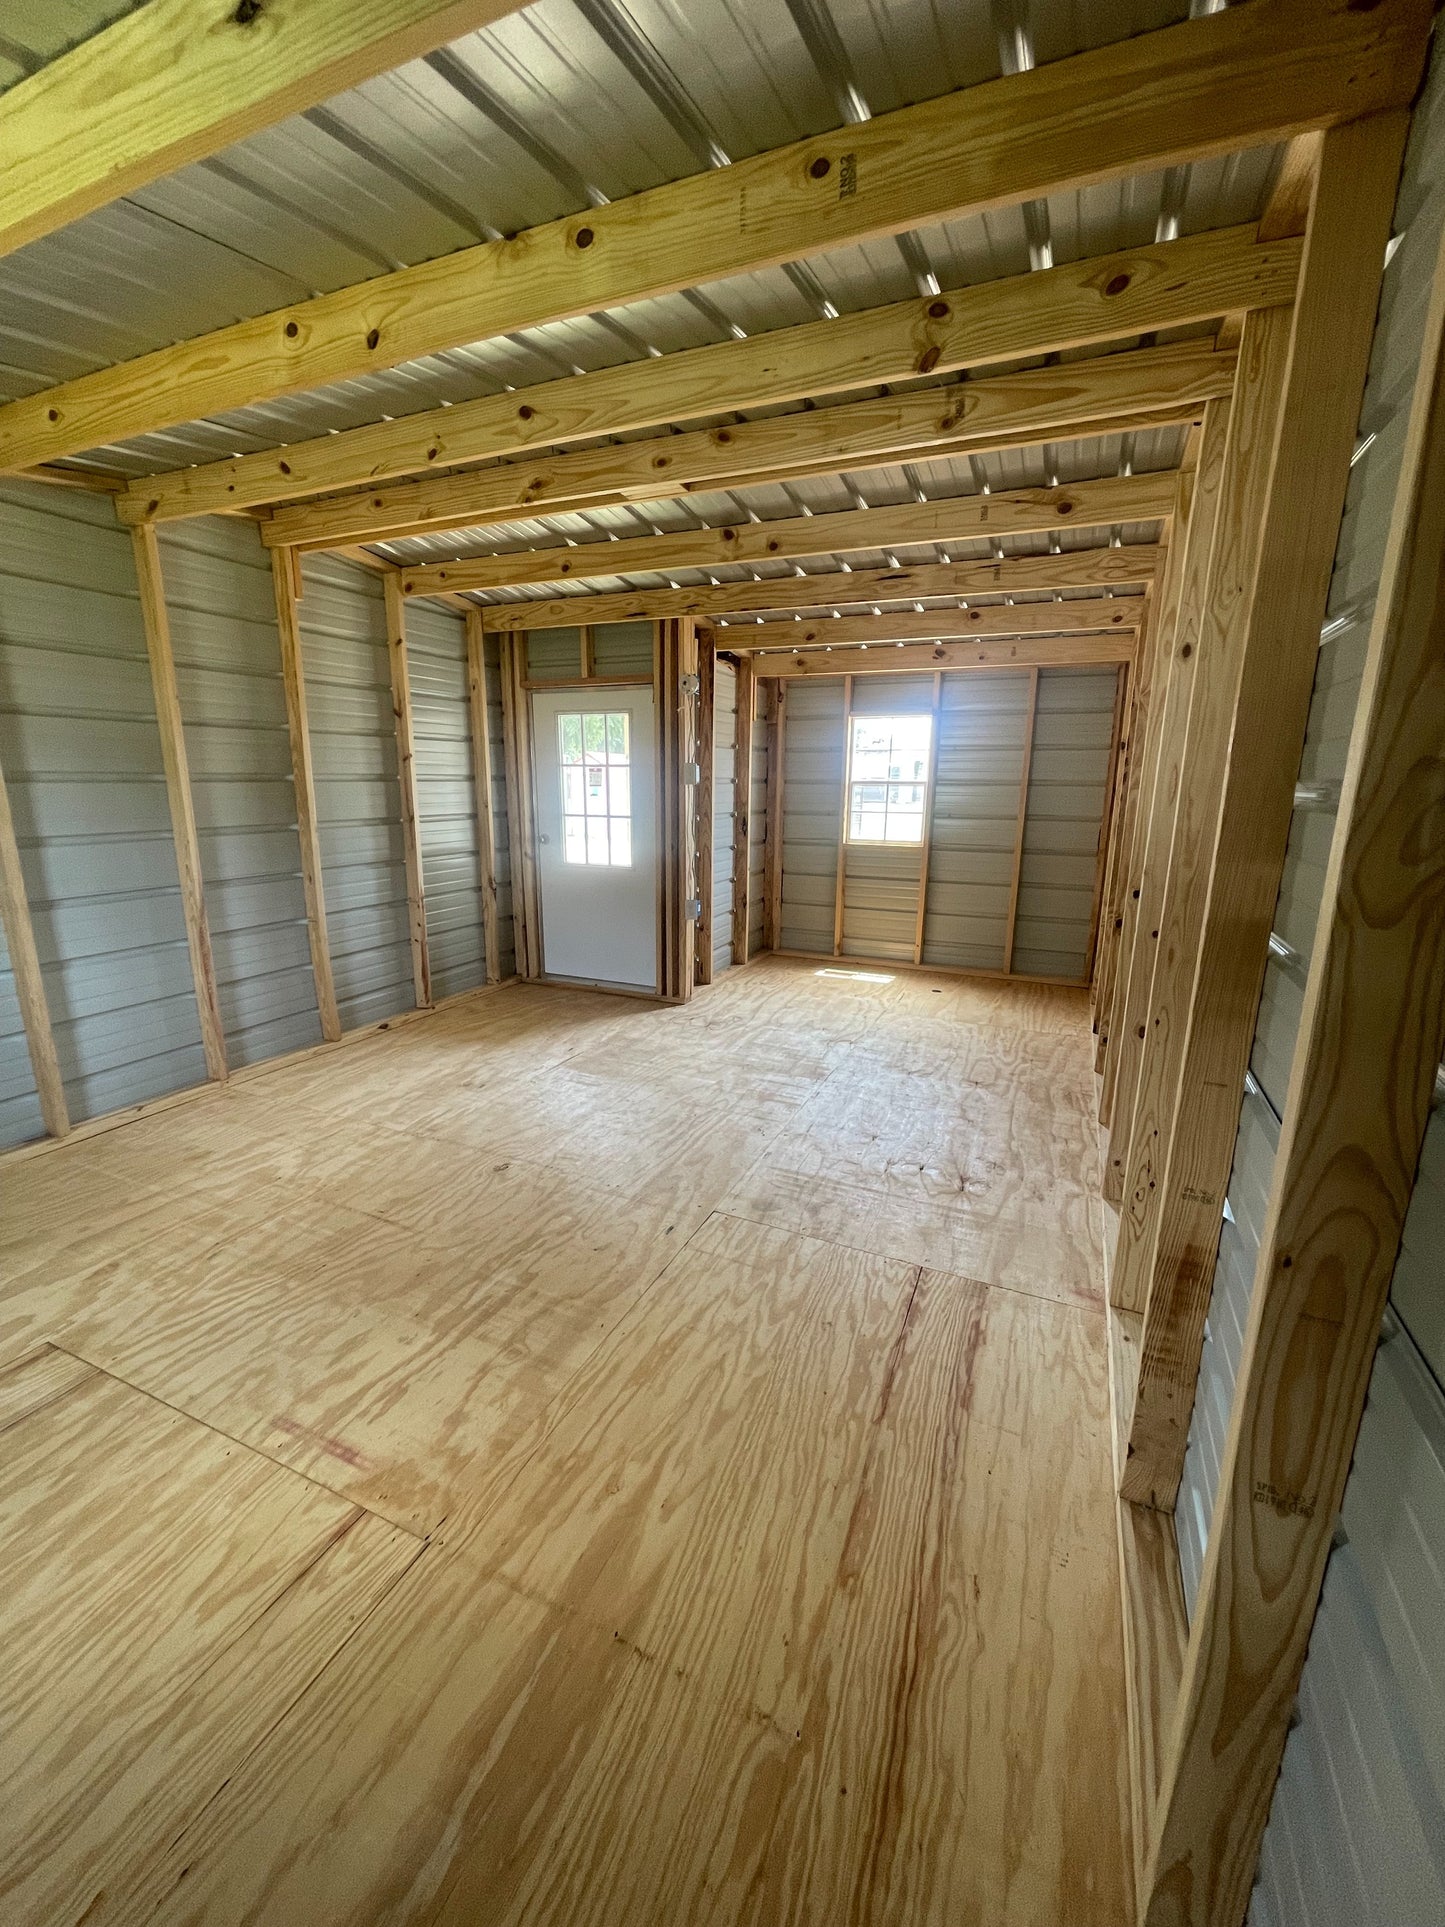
1206,86
1079,569
180,79
994,411
1078,305
1146,497
1098,615
888,659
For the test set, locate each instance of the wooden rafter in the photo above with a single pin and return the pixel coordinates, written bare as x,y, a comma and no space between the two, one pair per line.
1114,297
176,80
996,410
1101,568
1006,652
1106,616
1238,78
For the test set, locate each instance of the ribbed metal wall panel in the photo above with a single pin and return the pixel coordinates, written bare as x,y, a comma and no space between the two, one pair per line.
813,734
758,823
506,934
1359,557
623,648
233,703
20,1118
725,745
554,655
82,756
1068,793
358,797
981,727
446,794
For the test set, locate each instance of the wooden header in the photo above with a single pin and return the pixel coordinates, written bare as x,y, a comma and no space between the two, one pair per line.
891,659
1087,616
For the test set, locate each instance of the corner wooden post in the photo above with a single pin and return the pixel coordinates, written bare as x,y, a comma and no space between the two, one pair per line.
406,777
927,842
1371,1034
840,880
29,983
178,793
1158,803
706,803
742,811
775,695
521,828
1229,858
676,659
482,778
293,679
1018,867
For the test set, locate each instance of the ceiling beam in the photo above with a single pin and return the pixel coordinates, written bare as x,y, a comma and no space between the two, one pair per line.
1077,305
1206,86
1045,652
1100,614
1078,569
1145,497
851,435
180,79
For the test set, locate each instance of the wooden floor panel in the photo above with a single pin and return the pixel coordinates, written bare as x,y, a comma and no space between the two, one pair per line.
573,1464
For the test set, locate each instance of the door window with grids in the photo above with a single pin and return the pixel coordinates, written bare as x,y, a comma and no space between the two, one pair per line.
888,760
595,754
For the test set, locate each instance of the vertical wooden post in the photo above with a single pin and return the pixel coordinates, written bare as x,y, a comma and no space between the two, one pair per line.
840,881
29,983
178,792
706,777
676,659
589,652
1111,800
1174,682
293,677
1371,1034
1018,869
742,812
775,696
406,776
927,843
482,777
1232,828
521,828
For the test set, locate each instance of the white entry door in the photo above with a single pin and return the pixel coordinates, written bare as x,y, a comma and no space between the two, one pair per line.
594,758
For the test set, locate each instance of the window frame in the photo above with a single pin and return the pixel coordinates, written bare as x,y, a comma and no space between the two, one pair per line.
929,719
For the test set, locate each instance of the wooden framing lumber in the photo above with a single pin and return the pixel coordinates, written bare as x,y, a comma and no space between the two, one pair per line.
743,810
840,879
1078,304
775,709
177,80
1033,404
1110,618
1144,497
1217,920
1111,794
1371,1034
675,660
406,779
482,777
1129,566
521,813
706,808
178,794
293,677
29,982
888,659
1204,87
927,842
1026,767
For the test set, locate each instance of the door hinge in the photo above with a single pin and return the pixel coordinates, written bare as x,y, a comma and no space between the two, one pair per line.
694,910
691,775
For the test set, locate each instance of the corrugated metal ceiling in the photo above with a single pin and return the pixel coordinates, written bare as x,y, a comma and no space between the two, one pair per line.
568,103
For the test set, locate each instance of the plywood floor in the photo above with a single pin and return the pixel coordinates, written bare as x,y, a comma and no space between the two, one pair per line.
570,1463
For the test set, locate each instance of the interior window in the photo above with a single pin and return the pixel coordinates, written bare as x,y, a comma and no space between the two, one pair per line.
888,778
595,754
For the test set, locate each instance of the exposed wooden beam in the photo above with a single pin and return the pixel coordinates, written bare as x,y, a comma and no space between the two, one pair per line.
743,810
406,777
706,808
1238,78
1111,787
1026,768
1094,614
840,880
1077,569
176,764
1371,1034
177,80
1213,958
29,982
293,678
959,518
926,846
1053,311
886,659
775,712
482,777
521,826
994,410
